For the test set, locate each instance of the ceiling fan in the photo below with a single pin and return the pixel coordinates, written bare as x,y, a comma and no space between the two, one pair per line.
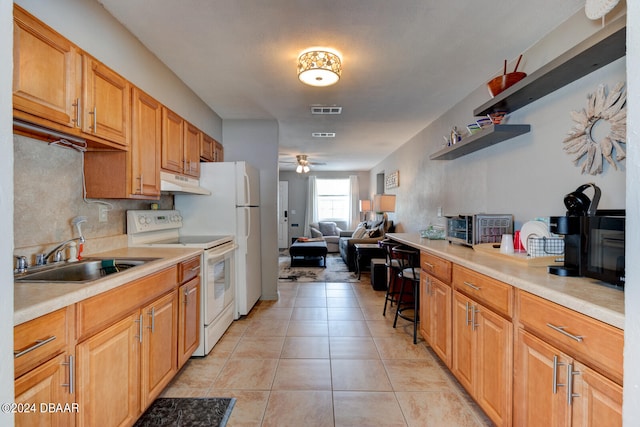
303,164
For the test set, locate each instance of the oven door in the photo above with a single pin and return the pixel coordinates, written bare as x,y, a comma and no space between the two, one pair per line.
219,281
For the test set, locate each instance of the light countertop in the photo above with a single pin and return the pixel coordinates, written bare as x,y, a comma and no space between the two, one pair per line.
584,295
33,300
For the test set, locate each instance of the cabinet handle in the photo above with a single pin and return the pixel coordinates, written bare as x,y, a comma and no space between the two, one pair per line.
570,393
472,286
427,286
141,179
95,120
431,266
77,106
186,296
38,344
152,313
140,327
565,333
72,374
555,374
467,313
196,268
474,310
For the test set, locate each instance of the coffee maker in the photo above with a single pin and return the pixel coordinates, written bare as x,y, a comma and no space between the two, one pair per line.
574,227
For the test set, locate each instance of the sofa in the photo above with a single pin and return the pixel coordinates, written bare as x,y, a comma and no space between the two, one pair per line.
330,232
366,232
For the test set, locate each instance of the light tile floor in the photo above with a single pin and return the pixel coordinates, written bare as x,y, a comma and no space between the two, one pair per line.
323,355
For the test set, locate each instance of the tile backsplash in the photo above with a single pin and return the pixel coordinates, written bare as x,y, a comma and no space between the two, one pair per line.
48,193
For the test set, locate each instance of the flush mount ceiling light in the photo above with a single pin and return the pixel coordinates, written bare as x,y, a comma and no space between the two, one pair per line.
303,164
319,68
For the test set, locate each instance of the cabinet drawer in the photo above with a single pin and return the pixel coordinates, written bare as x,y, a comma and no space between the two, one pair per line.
101,310
188,269
590,341
40,339
490,292
436,266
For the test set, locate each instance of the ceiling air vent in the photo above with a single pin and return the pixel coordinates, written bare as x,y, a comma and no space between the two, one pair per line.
323,134
325,109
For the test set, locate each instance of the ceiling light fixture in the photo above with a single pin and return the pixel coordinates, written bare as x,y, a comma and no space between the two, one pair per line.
319,68
303,164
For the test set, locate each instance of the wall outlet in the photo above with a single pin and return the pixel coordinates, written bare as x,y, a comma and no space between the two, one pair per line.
103,213
439,211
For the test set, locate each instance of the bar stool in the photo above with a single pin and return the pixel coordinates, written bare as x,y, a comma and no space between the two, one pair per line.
410,277
394,267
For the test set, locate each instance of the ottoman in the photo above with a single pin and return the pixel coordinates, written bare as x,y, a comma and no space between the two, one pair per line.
308,250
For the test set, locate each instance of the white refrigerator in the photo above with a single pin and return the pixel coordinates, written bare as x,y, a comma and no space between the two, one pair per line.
232,208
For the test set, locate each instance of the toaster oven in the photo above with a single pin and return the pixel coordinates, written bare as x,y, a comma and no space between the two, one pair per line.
473,229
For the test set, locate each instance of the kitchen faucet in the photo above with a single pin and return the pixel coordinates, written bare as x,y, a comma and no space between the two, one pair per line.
42,259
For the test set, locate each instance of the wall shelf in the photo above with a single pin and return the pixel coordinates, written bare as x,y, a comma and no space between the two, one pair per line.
486,137
600,49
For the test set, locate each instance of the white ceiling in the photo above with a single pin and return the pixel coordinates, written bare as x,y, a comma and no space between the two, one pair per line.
405,62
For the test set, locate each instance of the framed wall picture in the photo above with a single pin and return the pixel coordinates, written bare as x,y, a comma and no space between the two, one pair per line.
392,180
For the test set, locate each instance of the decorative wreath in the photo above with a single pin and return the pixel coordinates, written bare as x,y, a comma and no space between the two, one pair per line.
580,140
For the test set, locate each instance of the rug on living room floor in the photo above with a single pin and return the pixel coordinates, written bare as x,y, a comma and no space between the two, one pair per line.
187,412
336,270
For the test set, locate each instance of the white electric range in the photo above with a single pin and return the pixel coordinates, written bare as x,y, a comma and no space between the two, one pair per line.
161,228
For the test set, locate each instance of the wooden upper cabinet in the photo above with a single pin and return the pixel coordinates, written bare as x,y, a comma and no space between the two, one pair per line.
207,148
46,73
106,102
218,153
146,139
172,141
192,138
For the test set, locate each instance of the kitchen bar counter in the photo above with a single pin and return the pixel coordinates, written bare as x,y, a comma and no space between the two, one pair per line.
32,300
584,295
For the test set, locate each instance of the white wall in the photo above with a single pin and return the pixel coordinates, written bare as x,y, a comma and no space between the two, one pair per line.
632,289
88,25
6,209
256,141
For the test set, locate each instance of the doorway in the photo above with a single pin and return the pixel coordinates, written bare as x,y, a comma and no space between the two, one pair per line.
283,214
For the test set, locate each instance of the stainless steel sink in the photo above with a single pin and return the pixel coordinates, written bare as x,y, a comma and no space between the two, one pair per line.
83,271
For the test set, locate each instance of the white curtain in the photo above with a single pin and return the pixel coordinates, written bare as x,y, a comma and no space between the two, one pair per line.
312,207
354,198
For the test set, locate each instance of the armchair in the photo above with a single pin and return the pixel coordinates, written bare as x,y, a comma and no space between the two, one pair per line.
329,231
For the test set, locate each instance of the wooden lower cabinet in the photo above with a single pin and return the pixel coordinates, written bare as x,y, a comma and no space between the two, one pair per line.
109,374
552,389
189,320
483,357
159,346
47,384
435,316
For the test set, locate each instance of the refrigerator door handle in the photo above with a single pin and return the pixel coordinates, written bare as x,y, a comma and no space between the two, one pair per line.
247,219
247,190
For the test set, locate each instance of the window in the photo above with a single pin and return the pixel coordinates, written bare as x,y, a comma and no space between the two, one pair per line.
332,199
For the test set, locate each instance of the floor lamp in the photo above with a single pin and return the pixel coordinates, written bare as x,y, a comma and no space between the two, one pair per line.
365,208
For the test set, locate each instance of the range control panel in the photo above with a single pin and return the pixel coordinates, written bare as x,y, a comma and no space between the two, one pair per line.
140,221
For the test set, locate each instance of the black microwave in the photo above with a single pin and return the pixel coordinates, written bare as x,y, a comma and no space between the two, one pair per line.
604,249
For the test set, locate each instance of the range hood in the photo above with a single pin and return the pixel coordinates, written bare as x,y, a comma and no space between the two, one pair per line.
173,183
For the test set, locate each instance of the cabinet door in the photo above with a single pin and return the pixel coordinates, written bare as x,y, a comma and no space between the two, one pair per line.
106,104
159,346
146,139
207,148
597,401
463,359
192,137
494,352
48,383
441,320
46,72
540,399
425,308
172,141
189,320
109,374
219,152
